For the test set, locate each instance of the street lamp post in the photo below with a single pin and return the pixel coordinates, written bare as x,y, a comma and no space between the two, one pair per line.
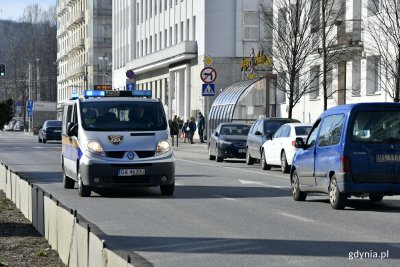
37,81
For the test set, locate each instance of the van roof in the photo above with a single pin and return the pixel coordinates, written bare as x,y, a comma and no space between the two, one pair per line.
350,107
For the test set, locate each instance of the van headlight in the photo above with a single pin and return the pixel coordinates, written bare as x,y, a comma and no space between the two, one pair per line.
95,148
162,147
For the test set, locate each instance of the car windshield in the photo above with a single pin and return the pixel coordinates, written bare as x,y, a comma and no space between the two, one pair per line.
376,127
53,123
303,130
123,116
235,130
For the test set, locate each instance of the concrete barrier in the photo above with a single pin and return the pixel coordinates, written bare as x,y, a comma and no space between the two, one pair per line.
65,232
76,245
3,177
96,256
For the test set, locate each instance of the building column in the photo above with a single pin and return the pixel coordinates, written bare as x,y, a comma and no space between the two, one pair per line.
181,99
187,91
171,92
342,83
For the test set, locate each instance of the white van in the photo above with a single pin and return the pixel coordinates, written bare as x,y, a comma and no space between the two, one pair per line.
112,138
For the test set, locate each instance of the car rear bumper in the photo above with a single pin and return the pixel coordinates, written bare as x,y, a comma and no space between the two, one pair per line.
230,151
360,188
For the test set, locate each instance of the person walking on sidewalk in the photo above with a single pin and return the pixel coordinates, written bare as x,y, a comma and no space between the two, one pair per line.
186,131
192,127
200,126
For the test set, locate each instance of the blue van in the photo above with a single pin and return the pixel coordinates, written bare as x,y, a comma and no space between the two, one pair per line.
351,150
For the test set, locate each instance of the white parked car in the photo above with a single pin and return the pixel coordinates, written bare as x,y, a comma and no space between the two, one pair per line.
279,150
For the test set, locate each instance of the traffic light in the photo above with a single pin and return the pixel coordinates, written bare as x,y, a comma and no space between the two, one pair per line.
2,70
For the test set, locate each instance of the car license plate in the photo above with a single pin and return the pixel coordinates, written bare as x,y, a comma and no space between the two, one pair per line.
131,172
243,150
388,158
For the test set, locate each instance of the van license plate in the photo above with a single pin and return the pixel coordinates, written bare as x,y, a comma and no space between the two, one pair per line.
131,172
242,150
388,158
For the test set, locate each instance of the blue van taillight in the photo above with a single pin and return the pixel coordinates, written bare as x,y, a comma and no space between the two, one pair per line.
345,165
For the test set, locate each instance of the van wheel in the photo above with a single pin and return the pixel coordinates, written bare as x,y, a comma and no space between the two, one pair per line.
337,199
167,190
210,157
284,164
376,197
67,181
264,164
249,159
83,190
298,195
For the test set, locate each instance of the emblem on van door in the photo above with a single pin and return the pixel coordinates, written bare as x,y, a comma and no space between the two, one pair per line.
115,139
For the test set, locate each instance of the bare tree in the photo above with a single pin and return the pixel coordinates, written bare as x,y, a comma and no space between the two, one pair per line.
383,26
293,45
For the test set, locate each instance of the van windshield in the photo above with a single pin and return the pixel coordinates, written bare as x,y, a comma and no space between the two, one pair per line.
123,116
377,127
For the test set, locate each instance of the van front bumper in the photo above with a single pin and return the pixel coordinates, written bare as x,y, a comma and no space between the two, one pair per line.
108,174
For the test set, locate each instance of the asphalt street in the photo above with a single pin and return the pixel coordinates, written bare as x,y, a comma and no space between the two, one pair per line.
222,214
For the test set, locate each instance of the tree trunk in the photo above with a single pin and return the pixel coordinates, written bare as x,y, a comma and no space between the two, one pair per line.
324,59
397,93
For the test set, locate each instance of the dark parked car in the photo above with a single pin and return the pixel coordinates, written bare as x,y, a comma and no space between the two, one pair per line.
261,131
228,141
51,131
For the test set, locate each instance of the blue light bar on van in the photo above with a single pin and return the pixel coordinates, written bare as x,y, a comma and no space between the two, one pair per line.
74,96
114,93
141,93
93,93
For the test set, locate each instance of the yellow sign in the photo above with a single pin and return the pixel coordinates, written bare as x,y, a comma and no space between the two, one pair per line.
208,61
260,60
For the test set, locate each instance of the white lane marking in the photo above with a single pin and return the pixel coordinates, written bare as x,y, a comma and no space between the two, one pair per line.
235,168
226,198
295,217
263,184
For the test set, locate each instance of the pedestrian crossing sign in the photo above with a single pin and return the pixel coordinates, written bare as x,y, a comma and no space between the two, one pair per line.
208,89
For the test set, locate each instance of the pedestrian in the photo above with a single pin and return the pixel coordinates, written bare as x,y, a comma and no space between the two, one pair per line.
192,128
186,131
174,130
201,122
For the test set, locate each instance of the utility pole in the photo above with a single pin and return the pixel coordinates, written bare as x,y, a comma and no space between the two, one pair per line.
29,94
37,81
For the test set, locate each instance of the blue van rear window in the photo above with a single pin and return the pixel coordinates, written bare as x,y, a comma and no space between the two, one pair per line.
376,127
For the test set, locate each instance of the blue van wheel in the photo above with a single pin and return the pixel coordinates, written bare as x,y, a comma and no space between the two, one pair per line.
337,199
298,195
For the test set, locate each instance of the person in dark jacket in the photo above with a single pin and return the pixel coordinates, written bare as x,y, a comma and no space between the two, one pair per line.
201,122
174,130
192,129
186,131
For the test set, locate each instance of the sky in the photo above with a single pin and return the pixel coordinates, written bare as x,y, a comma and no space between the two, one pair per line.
13,9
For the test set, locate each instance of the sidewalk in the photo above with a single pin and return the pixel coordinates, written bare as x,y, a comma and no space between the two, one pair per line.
196,147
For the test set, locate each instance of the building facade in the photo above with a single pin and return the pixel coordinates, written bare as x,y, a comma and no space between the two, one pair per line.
84,38
165,44
357,77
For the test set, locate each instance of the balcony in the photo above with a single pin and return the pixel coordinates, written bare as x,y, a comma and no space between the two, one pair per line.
165,57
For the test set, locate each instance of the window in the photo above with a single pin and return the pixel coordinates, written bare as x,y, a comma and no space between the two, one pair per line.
323,139
279,132
282,21
151,45
286,131
313,135
165,4
356,77
155,7
373,74
146,9
329,79
141,11
150,8
165,38
194,28
314,82
254,128
336,131
251,23
373,7
380,127
170,3
281,89
170,36
176,34
181,32
137,14
187,30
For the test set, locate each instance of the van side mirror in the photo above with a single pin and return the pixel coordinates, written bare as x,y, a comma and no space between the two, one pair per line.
258,133
216,134
299,143
269,136
72,129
